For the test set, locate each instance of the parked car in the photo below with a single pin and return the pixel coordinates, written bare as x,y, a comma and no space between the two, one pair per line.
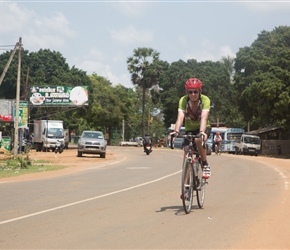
92,142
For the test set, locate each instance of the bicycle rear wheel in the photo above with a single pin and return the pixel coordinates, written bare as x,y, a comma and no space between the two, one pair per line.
187,186
200,190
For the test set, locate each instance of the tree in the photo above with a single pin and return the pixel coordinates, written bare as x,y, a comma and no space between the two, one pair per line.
263,79
44,68
145,69
216,82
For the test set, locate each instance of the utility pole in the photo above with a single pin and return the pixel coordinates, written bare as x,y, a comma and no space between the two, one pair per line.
9,61
16,120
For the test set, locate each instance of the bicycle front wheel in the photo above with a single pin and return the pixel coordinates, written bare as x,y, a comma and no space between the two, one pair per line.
187,186
200,189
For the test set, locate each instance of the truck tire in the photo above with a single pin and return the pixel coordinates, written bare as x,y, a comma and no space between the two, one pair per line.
80,154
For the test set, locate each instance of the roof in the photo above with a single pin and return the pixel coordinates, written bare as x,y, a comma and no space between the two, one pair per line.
263,130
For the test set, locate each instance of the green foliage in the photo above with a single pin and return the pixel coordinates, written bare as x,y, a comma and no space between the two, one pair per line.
146,69
20,162
217,85
263,79
12,167
254,87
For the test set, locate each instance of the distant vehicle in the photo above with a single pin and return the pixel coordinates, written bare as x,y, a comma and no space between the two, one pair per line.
46,134
248,144
178,142
139,140
92,142
229,136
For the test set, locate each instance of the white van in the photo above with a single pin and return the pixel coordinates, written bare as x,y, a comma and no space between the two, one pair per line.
248,144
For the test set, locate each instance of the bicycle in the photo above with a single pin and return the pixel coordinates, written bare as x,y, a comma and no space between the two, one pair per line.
217,148
192,180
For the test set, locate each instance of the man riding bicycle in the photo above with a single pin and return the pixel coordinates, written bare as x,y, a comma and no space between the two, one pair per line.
194,108
217,140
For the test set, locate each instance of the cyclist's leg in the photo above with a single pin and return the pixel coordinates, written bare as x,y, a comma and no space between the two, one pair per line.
202,152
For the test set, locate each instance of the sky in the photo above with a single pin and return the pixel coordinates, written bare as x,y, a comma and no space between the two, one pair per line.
99,36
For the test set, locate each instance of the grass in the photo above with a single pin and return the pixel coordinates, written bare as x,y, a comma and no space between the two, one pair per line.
23,165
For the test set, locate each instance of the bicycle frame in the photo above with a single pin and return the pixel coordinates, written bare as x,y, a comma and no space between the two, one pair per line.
192,181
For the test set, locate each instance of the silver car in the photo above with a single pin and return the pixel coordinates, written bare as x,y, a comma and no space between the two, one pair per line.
92,142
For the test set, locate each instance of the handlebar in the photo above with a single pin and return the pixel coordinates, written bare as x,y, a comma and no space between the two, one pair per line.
189,137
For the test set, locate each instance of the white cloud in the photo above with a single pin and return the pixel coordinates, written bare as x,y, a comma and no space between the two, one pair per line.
56,23
226,51
267,7
130,35
37,31
132,9
104,70
35,41
183,41
210,51
12,17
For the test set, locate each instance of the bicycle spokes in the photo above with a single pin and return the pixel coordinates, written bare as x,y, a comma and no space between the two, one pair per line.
187,185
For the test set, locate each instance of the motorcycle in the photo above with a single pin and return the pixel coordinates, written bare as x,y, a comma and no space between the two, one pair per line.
59,146
148,149
26,146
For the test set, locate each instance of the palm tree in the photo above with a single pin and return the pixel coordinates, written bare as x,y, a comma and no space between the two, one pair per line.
143,66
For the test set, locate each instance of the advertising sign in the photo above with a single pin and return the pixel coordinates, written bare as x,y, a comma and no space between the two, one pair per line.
6,110
59,96
6,143
23,113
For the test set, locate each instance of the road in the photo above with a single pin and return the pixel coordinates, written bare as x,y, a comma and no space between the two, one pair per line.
132,202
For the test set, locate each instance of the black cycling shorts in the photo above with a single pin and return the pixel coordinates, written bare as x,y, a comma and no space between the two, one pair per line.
195,132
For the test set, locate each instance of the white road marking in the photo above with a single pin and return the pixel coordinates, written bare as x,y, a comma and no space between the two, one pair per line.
286,183
87,200
138,168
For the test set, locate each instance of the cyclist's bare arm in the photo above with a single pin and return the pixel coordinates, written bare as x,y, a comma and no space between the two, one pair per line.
203,122
179,122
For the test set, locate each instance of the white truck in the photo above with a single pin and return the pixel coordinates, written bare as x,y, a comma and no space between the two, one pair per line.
46,134
248,144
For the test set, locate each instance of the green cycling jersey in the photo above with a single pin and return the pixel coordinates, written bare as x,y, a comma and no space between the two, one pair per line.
192,117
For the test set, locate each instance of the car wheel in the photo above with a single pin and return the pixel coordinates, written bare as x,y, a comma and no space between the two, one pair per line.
80,154
103,155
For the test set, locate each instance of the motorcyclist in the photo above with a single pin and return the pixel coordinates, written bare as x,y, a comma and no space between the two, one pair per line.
147,140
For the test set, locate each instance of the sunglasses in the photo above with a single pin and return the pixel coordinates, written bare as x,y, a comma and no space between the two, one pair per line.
192,92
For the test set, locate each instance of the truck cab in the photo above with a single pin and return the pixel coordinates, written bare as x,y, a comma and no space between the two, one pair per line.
248,144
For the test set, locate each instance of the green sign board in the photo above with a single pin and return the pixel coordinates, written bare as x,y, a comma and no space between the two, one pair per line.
23,113
59,96
6,143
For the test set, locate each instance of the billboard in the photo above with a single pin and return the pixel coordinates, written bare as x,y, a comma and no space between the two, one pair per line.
6,110
59,96
23,114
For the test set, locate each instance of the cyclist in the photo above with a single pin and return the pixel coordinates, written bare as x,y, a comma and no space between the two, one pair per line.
217,140
194,109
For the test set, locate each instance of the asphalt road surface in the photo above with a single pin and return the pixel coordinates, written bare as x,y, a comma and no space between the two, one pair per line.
132,202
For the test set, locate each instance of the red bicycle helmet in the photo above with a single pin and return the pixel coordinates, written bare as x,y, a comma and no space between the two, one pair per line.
193,83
